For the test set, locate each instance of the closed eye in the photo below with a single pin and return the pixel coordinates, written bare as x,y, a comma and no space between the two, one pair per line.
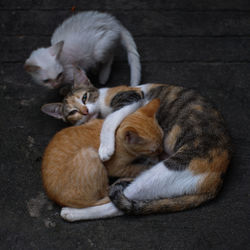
72,112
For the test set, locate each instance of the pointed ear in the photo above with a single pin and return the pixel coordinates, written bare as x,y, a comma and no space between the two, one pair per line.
56,49
132,137
80,79
31,68
53,109
151,108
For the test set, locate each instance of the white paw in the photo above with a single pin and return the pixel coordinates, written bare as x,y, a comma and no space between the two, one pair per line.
66,214
106,151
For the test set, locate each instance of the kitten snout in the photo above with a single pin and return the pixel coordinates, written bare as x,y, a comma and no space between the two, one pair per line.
84,111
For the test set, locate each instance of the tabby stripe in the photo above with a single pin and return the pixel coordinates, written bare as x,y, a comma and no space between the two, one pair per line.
177,112
124,98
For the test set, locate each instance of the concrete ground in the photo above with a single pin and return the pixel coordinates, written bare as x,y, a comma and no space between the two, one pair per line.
198,44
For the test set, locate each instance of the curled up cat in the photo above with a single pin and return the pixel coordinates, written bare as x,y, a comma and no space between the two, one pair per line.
72,172
195,139
88,40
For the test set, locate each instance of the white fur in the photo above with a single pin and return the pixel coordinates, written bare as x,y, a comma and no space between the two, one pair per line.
113,120
103,108
161,182
111,123
103,211
48,63
145,87
96,108
105,71
90,39
133,56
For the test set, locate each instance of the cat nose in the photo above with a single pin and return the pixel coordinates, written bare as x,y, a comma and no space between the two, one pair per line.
84,111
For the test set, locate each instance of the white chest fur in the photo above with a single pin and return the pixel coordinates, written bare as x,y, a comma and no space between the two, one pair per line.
103,107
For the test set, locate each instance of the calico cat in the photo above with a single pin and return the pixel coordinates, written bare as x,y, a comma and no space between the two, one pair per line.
85,102
88,40
72,173
195,138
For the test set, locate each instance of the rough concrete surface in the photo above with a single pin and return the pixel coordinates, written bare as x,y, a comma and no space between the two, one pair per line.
199,44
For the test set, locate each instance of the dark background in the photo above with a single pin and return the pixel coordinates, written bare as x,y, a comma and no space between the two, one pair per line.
198,44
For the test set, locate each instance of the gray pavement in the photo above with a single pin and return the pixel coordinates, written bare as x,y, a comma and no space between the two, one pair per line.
199,44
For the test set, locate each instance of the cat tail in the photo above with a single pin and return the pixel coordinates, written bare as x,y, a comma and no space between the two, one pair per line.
133,56
140,207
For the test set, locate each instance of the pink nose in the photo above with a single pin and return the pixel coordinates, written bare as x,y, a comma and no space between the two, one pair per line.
84,111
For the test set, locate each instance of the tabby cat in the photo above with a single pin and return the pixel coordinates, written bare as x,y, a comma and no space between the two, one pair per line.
195,138
72,172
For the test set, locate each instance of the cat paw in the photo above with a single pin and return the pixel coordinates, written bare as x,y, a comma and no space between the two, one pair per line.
106,151
123,182
66,214
119,186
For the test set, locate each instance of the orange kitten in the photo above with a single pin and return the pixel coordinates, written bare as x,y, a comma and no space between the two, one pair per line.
74,176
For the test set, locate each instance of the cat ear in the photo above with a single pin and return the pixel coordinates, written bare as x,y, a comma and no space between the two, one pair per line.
151,108
31,68
80,79
53,109
56,49
131,136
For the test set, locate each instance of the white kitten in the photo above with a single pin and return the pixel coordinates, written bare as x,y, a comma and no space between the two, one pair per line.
88,40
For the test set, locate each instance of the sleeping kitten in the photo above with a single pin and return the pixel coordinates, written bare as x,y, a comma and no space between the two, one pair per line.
195,138
74,176
88,40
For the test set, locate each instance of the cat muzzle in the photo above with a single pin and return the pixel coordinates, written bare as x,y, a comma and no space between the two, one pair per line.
84,111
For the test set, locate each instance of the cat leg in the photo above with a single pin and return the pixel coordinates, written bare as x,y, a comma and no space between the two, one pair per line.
161,182
105,71
160,190
111,123
139,207
100,211
91,213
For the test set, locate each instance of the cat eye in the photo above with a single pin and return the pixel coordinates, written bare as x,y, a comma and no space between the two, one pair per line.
46,80
59,76
84,98
72,112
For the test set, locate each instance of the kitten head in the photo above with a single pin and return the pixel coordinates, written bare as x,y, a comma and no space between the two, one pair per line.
44,67
141,132
79,106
